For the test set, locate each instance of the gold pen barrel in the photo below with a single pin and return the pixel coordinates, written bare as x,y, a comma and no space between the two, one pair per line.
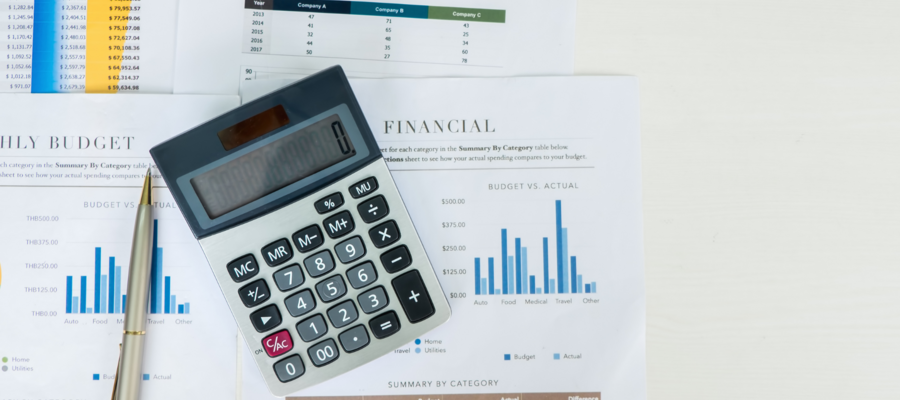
131,360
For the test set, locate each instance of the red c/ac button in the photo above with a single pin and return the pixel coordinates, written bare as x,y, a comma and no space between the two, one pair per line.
278,343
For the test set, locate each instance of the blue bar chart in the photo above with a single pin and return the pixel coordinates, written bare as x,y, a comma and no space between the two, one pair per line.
514,274
108,292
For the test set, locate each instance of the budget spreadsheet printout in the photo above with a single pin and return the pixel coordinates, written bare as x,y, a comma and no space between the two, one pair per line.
272,39
530,212
71,171
87,46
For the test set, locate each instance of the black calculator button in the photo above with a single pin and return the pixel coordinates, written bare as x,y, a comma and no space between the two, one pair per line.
266,318
329,203
300,303
384,234
319,264
362,275
338,224
363,187
288,278
373,300
384,325
277,252
331,289
308,238
350,250
343,314
396,259
312,328
354,338
413,297
289,369
373,209
255,293
323,353
243,268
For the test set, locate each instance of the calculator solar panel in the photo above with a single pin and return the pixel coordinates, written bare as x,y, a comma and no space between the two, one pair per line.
305,231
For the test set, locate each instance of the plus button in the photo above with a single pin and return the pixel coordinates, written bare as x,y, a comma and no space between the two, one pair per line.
414,296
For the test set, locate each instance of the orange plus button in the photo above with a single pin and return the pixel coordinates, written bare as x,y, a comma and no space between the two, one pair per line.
278,343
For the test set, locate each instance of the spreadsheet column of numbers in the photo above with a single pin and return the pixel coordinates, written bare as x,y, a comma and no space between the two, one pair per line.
376,38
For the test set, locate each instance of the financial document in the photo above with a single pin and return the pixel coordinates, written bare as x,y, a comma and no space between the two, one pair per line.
275,39
71,169
87,46
530,212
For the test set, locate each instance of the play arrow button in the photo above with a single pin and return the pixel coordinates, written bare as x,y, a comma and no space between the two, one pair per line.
266,318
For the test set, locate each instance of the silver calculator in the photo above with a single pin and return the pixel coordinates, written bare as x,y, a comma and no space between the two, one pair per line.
305,231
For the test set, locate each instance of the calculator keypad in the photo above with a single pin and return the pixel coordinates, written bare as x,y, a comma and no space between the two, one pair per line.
343,271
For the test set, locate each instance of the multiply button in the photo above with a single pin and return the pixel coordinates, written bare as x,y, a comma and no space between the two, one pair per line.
384,234
308,238
266,318
255,293
243,268
331,202
277,252
278,343
363,187
338,224
373,209
413,297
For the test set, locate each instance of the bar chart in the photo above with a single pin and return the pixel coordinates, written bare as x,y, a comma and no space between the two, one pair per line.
109,296
513,271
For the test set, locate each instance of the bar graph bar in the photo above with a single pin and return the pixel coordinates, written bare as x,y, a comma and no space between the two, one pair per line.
108,289
515,277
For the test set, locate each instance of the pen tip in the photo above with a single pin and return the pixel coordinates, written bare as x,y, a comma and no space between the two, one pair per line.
145,194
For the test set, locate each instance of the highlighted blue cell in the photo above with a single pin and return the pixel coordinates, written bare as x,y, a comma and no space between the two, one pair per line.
96,377
146,377
506,357
556,356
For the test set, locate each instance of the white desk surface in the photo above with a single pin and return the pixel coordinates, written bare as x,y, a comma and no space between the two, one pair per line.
771,168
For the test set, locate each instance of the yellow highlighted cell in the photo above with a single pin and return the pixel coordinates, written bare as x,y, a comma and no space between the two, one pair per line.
107,29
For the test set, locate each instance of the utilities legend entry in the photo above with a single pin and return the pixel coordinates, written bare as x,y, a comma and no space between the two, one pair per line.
305,231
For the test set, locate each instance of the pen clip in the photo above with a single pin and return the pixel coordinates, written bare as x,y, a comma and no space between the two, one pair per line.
116,380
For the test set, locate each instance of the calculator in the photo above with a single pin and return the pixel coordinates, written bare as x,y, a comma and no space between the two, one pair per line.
305,231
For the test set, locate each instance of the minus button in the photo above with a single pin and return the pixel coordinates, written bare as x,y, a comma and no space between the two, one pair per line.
396,259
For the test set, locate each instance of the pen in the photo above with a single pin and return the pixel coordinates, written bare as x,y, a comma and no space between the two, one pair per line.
128,374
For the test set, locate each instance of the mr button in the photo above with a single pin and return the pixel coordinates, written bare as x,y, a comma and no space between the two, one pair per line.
413,297
277,252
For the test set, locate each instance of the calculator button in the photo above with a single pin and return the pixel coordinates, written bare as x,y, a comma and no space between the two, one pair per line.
255,293
350,250
330,202
338,224
363,187
243,268
384,325
300,303
354,338
362,275
319,264
323,353
278,343
373,209
413,297
384,234
373,300
331,288
266,318
312,328
343,314
288,278
308,238
277,252
289,369
396,259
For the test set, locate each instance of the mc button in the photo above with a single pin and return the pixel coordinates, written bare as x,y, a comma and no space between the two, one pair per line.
243,268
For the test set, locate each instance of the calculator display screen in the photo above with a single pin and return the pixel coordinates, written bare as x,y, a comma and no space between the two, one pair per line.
273,166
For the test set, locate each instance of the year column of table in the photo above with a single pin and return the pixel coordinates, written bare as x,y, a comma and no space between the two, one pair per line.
257,28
